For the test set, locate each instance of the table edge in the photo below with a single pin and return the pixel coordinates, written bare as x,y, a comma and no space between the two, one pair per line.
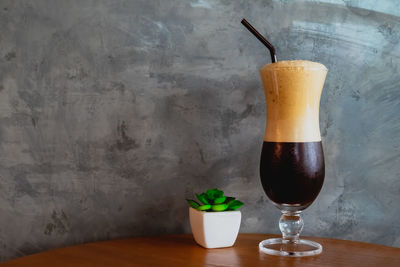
318,239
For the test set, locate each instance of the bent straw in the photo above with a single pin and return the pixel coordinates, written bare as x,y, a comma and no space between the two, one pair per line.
262,39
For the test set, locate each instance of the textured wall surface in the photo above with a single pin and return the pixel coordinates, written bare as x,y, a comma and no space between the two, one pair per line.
112,112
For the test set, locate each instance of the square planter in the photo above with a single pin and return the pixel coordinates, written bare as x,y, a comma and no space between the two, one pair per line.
215,229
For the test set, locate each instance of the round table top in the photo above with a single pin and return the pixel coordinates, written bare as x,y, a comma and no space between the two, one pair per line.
181,250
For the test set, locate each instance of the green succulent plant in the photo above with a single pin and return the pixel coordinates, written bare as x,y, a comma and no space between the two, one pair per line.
214,200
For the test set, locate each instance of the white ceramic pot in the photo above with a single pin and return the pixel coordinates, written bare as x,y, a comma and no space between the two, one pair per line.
215,229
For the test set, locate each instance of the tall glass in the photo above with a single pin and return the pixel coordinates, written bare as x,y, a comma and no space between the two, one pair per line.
292,165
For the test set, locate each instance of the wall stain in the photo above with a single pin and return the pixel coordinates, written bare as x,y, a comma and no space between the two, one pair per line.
23,186
389,32
148,142
230,119
76,73
118,86
10,55
34,121
124,142
201,153
346,216
32,98
355,94
59,224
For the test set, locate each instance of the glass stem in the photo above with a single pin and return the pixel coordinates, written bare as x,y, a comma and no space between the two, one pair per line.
291,225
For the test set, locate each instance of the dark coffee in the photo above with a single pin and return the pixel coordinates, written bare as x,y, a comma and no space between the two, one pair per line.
292,173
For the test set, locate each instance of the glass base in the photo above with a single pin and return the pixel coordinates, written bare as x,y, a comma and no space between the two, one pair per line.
280,247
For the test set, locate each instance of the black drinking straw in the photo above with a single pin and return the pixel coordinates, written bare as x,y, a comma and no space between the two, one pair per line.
262,39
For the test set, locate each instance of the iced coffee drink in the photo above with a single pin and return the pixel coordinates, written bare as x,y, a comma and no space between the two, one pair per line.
292,167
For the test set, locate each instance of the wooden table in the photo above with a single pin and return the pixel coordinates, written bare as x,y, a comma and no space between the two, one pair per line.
181,250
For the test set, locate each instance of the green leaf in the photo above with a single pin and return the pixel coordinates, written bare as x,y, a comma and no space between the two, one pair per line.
204,207
219,193
219,200
229,200
193,203
214,193
203,198
235,204
219,207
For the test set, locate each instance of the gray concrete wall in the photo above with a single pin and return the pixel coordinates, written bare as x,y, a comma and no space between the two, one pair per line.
112,112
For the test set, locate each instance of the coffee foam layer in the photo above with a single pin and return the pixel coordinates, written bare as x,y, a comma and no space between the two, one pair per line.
293,91
297,65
